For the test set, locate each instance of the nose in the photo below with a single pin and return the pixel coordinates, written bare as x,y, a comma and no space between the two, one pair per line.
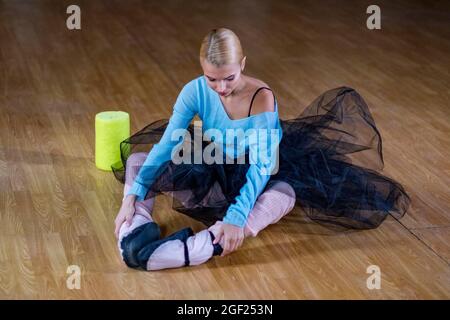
221,86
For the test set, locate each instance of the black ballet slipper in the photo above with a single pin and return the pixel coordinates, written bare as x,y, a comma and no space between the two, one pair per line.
145,253
136,240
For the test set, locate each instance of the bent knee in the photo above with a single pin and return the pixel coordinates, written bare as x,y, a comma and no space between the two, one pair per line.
284,194
136,159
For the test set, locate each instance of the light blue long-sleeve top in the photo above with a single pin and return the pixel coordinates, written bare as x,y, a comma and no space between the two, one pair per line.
197,97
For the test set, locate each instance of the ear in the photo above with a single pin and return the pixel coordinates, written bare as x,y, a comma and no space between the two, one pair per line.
243,63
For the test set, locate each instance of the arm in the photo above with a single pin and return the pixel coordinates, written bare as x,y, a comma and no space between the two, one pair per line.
257,176
260,170
184,110
266,145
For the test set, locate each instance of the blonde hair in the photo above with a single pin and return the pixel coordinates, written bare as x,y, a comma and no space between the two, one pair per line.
220,47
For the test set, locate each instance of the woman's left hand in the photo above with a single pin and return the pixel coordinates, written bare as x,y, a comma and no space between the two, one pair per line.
233,237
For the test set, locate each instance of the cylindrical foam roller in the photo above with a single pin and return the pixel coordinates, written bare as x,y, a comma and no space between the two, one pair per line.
111,128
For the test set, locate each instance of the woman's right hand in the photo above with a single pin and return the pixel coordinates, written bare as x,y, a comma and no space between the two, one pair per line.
125,214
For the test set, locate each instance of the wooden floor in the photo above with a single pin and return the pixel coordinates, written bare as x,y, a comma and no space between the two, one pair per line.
57,209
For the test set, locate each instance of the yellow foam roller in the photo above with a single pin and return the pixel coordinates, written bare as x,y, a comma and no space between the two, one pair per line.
111,128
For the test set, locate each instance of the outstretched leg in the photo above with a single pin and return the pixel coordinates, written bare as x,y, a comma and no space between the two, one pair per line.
143,230
134,164
276,201
143,208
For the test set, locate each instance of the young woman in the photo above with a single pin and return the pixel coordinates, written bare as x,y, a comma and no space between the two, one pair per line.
325,160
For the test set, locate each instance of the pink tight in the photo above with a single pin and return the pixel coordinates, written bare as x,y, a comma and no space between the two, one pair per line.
276,201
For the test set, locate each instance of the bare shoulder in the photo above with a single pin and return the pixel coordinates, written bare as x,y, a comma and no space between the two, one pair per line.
264,99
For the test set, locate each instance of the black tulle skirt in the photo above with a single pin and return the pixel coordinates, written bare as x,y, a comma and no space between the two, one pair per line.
331,155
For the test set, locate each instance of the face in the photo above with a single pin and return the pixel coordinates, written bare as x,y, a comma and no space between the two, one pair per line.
223,79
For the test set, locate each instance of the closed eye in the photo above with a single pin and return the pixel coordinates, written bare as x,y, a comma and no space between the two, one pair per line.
230,78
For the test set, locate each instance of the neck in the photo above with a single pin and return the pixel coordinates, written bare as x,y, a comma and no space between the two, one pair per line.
240,87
